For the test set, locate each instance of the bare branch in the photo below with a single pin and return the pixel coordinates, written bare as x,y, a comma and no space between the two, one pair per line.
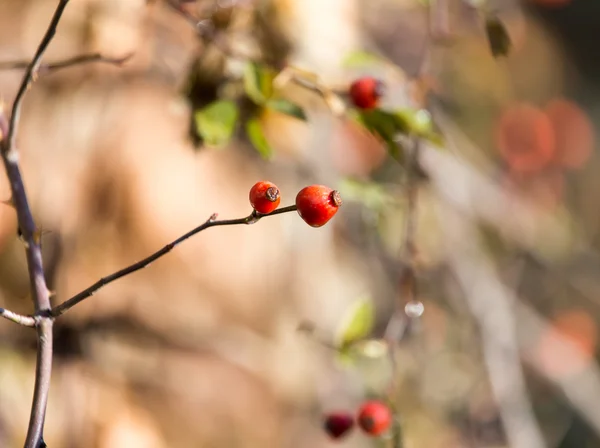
210,222
492,305
21,319
206,31
39,290
76,60
29,76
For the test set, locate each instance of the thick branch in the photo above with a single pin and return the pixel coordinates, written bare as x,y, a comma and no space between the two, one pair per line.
210,222
76,60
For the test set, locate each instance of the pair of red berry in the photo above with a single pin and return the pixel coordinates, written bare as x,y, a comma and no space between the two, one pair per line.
374,418
316,204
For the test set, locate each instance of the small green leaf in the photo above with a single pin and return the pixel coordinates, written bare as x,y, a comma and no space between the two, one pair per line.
498,37
357,322
371,194
215,123
257,137
418,122
361,352
360,58
286,107
381,123
258,82
385,125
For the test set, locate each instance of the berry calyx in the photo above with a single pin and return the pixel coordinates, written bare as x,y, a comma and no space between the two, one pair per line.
264,197
317,204
338,424
374,417
365,92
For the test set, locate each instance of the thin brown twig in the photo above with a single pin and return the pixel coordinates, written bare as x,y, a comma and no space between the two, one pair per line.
29,76
206,31
210,222
76,60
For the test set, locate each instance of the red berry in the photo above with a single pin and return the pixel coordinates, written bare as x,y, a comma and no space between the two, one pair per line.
374,417
365,92
338,424
317,204
264,197
525,138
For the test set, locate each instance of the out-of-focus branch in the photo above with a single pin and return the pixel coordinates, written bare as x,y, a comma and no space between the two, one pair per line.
77,60
491,304
210,222
206,31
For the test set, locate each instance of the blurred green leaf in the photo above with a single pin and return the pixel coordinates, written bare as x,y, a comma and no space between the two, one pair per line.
257,137
373,195
385,125
356,323
360,58
380,123
414,121
498,37
215,123
286,107
258,82
418,122
362,352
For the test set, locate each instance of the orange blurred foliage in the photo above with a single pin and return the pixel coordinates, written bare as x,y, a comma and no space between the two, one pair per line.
525,138
569,343
574,133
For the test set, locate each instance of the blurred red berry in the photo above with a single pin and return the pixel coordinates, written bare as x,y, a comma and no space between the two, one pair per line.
525,138
365,92
338,424
264,197
574,133
374,417
317,204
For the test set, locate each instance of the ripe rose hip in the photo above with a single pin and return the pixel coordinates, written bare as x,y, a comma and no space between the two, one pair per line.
264,197
365,92
317,204
338,424
374,417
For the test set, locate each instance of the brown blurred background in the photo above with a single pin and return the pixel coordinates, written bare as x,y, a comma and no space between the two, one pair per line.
201,349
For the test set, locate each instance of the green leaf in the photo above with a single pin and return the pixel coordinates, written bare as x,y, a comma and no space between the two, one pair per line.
356,323
381,123
414,121
257,137
385,125
360,58
371,194
258,82
498,37
286,107
354,354
418,122
215,123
